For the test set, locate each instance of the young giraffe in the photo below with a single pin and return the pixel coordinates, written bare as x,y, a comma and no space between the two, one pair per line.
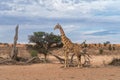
69,47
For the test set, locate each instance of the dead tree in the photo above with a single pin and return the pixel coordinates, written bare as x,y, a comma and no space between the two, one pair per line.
61,60
57,57
14,51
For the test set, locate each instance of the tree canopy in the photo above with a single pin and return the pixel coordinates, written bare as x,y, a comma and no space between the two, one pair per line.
43,38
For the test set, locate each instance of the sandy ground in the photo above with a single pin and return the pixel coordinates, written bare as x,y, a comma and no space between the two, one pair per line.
57,72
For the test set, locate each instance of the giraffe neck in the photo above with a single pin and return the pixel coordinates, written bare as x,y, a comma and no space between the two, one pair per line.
63,36
62,32
65,40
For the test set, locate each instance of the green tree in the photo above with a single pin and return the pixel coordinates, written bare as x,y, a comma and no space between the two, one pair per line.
42,38
106,43
43,41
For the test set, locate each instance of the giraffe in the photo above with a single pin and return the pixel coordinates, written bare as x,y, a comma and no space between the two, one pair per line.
69,47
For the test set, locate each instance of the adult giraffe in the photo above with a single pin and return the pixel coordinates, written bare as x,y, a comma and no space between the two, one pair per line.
69,47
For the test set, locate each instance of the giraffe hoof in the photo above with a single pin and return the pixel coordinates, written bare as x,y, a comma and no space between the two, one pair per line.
66,66
79,66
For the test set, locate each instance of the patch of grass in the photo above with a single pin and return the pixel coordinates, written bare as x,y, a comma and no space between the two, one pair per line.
34,53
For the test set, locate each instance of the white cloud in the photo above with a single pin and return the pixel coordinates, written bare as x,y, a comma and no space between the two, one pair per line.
58,8
70,28
76,16
92,32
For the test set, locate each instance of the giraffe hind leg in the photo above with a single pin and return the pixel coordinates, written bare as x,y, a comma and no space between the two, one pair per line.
71,60
87,60
79,61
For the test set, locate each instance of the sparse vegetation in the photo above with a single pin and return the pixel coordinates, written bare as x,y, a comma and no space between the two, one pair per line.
43,42
106,43
101,51
34,53
43,45
110,47
113,48
115,62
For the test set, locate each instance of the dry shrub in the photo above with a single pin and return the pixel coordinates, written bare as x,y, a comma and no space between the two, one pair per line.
115,62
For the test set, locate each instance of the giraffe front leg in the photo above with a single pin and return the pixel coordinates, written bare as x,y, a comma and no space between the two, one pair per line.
66,60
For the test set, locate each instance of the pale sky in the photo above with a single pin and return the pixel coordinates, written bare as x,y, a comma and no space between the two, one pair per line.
96,21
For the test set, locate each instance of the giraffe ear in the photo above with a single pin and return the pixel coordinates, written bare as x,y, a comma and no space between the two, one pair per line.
59,25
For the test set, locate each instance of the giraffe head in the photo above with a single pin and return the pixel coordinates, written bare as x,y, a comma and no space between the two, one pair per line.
58,26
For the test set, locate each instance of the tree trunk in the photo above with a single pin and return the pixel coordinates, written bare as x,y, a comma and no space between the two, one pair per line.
14,51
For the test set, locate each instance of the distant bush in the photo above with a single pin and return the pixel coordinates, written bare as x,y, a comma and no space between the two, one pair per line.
100,51
105,43
113,47
99,44
110,47
84,45
115,62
